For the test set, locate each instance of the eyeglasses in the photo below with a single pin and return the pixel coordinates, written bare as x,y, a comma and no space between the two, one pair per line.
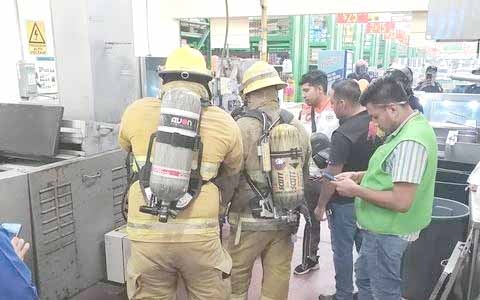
391,103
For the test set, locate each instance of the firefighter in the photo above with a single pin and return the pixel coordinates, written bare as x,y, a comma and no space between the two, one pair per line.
253,236
187,246
404,77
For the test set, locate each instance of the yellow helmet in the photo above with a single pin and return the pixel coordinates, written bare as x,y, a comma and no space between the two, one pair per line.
362,84
185,63
260,75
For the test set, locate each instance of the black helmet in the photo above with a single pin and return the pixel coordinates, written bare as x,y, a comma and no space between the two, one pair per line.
431,70
403,76
320,149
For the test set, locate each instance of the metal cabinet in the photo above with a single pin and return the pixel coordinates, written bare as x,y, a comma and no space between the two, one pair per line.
15,204
74,203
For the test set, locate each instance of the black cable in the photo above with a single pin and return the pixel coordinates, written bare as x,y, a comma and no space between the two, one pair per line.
227,21
478,49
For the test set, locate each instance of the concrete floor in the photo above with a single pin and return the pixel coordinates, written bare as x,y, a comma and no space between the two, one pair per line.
303,287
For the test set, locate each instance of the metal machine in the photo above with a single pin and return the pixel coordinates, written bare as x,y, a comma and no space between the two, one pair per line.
65,186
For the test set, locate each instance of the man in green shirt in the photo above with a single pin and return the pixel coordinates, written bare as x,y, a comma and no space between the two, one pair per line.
394,197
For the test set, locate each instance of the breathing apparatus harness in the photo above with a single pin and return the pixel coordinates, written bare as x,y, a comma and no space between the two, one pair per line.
154,205
262,205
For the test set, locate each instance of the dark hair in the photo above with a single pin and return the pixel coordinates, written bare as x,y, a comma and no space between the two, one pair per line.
383,91
315,78
431,69
347,89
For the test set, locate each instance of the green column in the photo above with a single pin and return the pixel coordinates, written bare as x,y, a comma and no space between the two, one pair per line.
359,39
376,49
387,52
331,32
338,37
300,50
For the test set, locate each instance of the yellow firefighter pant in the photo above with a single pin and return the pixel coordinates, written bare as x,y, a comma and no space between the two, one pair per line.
275,249
154,267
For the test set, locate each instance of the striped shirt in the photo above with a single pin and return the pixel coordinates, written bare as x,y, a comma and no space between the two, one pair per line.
406,163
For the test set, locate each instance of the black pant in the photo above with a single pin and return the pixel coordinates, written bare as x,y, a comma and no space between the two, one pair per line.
312,192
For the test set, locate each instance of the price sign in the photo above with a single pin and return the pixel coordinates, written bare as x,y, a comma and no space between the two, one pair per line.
352,18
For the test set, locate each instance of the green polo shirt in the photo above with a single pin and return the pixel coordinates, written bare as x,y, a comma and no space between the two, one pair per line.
385,221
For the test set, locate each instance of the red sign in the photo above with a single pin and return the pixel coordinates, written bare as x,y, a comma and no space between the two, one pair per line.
398,35
402,37
390,35
381,27
352,18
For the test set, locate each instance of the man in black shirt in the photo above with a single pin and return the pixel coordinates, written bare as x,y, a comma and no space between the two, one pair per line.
404,76
350,151
361,71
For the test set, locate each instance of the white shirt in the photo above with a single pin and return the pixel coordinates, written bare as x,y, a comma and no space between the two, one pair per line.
325,119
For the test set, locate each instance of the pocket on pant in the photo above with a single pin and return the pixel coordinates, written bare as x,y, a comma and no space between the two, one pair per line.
134,283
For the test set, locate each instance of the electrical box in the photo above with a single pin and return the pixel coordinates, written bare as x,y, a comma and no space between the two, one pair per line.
27,83
117,252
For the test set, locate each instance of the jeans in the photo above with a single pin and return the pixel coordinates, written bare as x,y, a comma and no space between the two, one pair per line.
344,234
378,267
312,192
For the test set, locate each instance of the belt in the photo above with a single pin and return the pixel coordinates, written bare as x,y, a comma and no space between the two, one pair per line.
245,222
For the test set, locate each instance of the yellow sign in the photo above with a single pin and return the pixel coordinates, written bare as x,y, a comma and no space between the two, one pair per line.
37,44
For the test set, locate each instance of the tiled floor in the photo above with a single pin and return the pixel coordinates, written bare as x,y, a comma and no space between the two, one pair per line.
304,287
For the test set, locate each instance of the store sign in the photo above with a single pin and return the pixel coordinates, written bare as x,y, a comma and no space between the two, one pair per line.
397,35
333,63
381,27
352,18
401,37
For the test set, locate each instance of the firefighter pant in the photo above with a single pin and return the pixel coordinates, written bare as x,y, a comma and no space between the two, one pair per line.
154,267
275,250
312,192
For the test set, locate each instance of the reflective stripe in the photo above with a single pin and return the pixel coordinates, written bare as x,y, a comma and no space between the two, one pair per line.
272,74
180,227
209,170
179,112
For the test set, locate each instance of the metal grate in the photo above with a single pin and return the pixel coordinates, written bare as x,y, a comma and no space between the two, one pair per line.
119,183
57,220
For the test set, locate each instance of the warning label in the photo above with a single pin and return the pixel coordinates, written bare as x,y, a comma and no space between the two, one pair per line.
37,44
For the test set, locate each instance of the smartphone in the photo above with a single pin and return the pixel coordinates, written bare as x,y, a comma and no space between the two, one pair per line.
14,229
328,176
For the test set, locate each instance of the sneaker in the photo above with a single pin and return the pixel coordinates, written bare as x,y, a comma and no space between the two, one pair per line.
301,269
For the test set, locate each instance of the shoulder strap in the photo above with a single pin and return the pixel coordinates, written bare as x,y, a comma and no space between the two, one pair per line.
259,115
286,117
312,119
